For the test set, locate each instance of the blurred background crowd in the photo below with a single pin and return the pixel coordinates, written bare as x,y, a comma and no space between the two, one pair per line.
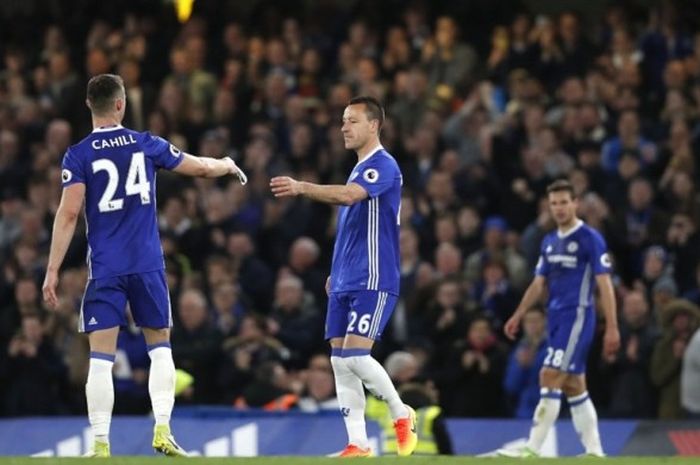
485,107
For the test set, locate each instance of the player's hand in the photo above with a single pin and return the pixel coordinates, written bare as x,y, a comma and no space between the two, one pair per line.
284,186
611,342
512,326
49,289
235,169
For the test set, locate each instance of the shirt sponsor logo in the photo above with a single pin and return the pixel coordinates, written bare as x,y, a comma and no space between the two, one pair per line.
567,261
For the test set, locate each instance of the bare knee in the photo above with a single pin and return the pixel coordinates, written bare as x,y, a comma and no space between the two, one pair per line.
552,379
353,341
574,385
156,336
336,342
104,340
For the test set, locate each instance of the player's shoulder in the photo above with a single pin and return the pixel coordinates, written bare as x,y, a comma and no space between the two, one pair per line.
590,236
385,160
81,147
590,232
384,155
550,237
141,136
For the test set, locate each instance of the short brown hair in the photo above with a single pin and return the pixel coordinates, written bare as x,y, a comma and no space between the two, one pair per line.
373,108
562,185
102,90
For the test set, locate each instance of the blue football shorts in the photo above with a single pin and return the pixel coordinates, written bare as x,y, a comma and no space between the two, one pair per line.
364,313
104,302
570,334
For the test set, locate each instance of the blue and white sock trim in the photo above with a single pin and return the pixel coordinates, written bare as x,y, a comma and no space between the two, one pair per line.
157,345
547,393
336,351
578,400
103,356
355,352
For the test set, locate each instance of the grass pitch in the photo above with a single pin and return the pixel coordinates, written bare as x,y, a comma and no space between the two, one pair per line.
459,460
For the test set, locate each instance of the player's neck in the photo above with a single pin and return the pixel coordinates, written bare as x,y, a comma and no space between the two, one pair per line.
105,121
565,228
368,149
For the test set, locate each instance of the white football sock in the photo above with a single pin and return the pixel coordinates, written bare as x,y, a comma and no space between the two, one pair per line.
99,391
376,379
546,414
351,399
161,382
585,421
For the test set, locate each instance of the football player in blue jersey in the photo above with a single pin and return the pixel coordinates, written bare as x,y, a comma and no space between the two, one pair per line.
573,261
363,285
114,171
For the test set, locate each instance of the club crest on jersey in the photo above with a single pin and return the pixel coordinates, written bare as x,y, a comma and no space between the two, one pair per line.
66,175
572,247
548,249
174,151
371,175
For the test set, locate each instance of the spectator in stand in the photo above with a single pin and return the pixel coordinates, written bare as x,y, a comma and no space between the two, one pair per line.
449,62
632,394
690,377
319,386
521,379
630,137
471,375
495,293
295,320
37,372
304,255
250,348
196,345
680,320
495,248
228,308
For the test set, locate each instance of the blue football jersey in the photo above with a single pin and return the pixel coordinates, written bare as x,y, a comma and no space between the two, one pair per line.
570,263
118,167
366,253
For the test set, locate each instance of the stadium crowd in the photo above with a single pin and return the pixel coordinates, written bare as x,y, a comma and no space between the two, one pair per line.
479,129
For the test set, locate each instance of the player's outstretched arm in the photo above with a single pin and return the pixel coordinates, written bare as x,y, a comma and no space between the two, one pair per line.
205,167
348,194
530,298
63,229
611,339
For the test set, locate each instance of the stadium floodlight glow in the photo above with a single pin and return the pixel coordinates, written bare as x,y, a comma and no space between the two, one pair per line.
183,9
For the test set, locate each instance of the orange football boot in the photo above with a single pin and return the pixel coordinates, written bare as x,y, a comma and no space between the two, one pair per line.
406,437
351,450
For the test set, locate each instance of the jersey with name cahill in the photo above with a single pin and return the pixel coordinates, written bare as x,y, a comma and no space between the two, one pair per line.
118,167
366,253
570,263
